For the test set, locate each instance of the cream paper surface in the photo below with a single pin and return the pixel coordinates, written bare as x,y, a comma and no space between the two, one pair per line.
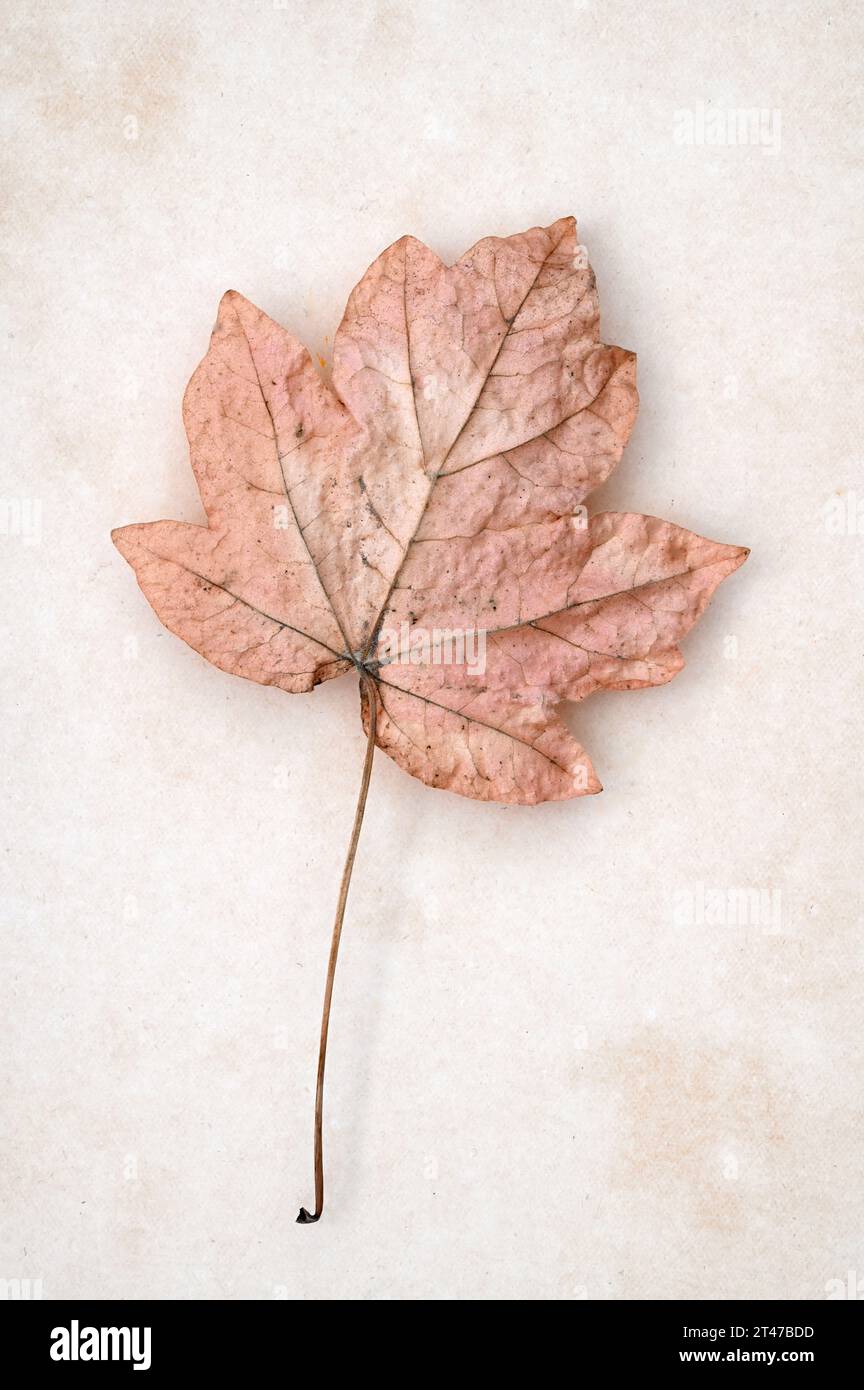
610,1048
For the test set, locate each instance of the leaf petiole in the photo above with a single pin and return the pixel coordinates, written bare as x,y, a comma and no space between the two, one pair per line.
367,686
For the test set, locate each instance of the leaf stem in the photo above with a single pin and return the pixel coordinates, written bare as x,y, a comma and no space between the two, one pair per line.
367,686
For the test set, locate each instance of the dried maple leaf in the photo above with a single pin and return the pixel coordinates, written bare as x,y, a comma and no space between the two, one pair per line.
438,487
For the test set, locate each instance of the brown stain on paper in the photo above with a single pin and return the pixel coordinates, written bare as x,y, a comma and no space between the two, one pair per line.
147,75
700,1125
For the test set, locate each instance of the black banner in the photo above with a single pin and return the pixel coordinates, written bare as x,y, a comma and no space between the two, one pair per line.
71,1338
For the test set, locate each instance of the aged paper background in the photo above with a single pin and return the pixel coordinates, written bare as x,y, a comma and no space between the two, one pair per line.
608,1049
